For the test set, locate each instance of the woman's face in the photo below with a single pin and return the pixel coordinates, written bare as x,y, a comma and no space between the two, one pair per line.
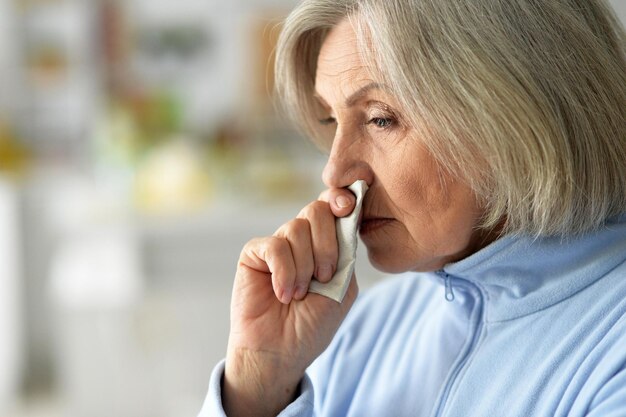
414,217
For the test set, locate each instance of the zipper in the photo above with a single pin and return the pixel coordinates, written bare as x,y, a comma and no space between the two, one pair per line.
448,285
476,319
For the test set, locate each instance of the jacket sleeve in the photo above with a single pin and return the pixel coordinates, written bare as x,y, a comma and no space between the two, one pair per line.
212,407
611,399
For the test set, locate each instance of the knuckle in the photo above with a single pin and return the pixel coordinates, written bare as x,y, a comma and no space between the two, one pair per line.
292,227
315,209
280,231
294,230
277,245
299,226
250,246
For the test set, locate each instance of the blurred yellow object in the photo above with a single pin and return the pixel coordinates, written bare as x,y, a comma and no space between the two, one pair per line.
276,178
172,180
14,156
47,65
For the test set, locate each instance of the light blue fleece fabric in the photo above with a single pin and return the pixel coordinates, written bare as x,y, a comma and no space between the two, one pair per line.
536,328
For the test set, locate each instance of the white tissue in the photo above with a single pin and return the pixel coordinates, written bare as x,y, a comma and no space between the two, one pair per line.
346,228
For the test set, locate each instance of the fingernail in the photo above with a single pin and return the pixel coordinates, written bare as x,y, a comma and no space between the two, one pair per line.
324,273
286,296
342,201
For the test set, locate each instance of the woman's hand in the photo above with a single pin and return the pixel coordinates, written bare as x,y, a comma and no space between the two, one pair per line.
277,328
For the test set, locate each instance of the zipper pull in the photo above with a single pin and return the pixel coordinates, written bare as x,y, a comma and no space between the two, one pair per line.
448,285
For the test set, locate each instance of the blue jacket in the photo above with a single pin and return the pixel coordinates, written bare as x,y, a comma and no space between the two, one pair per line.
532,328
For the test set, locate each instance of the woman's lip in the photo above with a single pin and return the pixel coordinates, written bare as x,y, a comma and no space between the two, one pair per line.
369,224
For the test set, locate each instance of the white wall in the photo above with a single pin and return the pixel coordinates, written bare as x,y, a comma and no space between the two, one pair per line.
7,57
10,300
620,9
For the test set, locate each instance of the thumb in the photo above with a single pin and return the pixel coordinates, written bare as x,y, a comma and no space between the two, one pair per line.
341,201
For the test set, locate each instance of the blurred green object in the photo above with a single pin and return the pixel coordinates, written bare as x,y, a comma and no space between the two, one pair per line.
157,113
181,41
134,124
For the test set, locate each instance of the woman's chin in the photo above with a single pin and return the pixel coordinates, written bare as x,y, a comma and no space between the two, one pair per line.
386,263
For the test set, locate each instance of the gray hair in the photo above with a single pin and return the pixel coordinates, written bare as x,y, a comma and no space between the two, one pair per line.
524,100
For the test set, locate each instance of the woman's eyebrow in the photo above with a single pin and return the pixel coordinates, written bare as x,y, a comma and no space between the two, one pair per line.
357,95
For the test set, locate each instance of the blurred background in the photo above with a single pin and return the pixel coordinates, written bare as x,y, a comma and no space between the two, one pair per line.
139,150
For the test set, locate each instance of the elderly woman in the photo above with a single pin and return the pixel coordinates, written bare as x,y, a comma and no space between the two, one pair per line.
491,135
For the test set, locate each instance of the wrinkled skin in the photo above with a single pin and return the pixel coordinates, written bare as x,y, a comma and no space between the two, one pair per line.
413,218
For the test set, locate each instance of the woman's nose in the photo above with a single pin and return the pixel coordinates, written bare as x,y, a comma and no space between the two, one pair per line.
346,163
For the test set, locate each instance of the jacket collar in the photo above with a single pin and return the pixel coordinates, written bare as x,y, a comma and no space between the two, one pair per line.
522,275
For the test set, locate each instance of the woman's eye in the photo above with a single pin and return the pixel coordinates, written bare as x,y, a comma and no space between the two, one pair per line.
327,121
381,122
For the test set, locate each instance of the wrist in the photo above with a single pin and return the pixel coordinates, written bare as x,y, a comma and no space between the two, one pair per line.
258,384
